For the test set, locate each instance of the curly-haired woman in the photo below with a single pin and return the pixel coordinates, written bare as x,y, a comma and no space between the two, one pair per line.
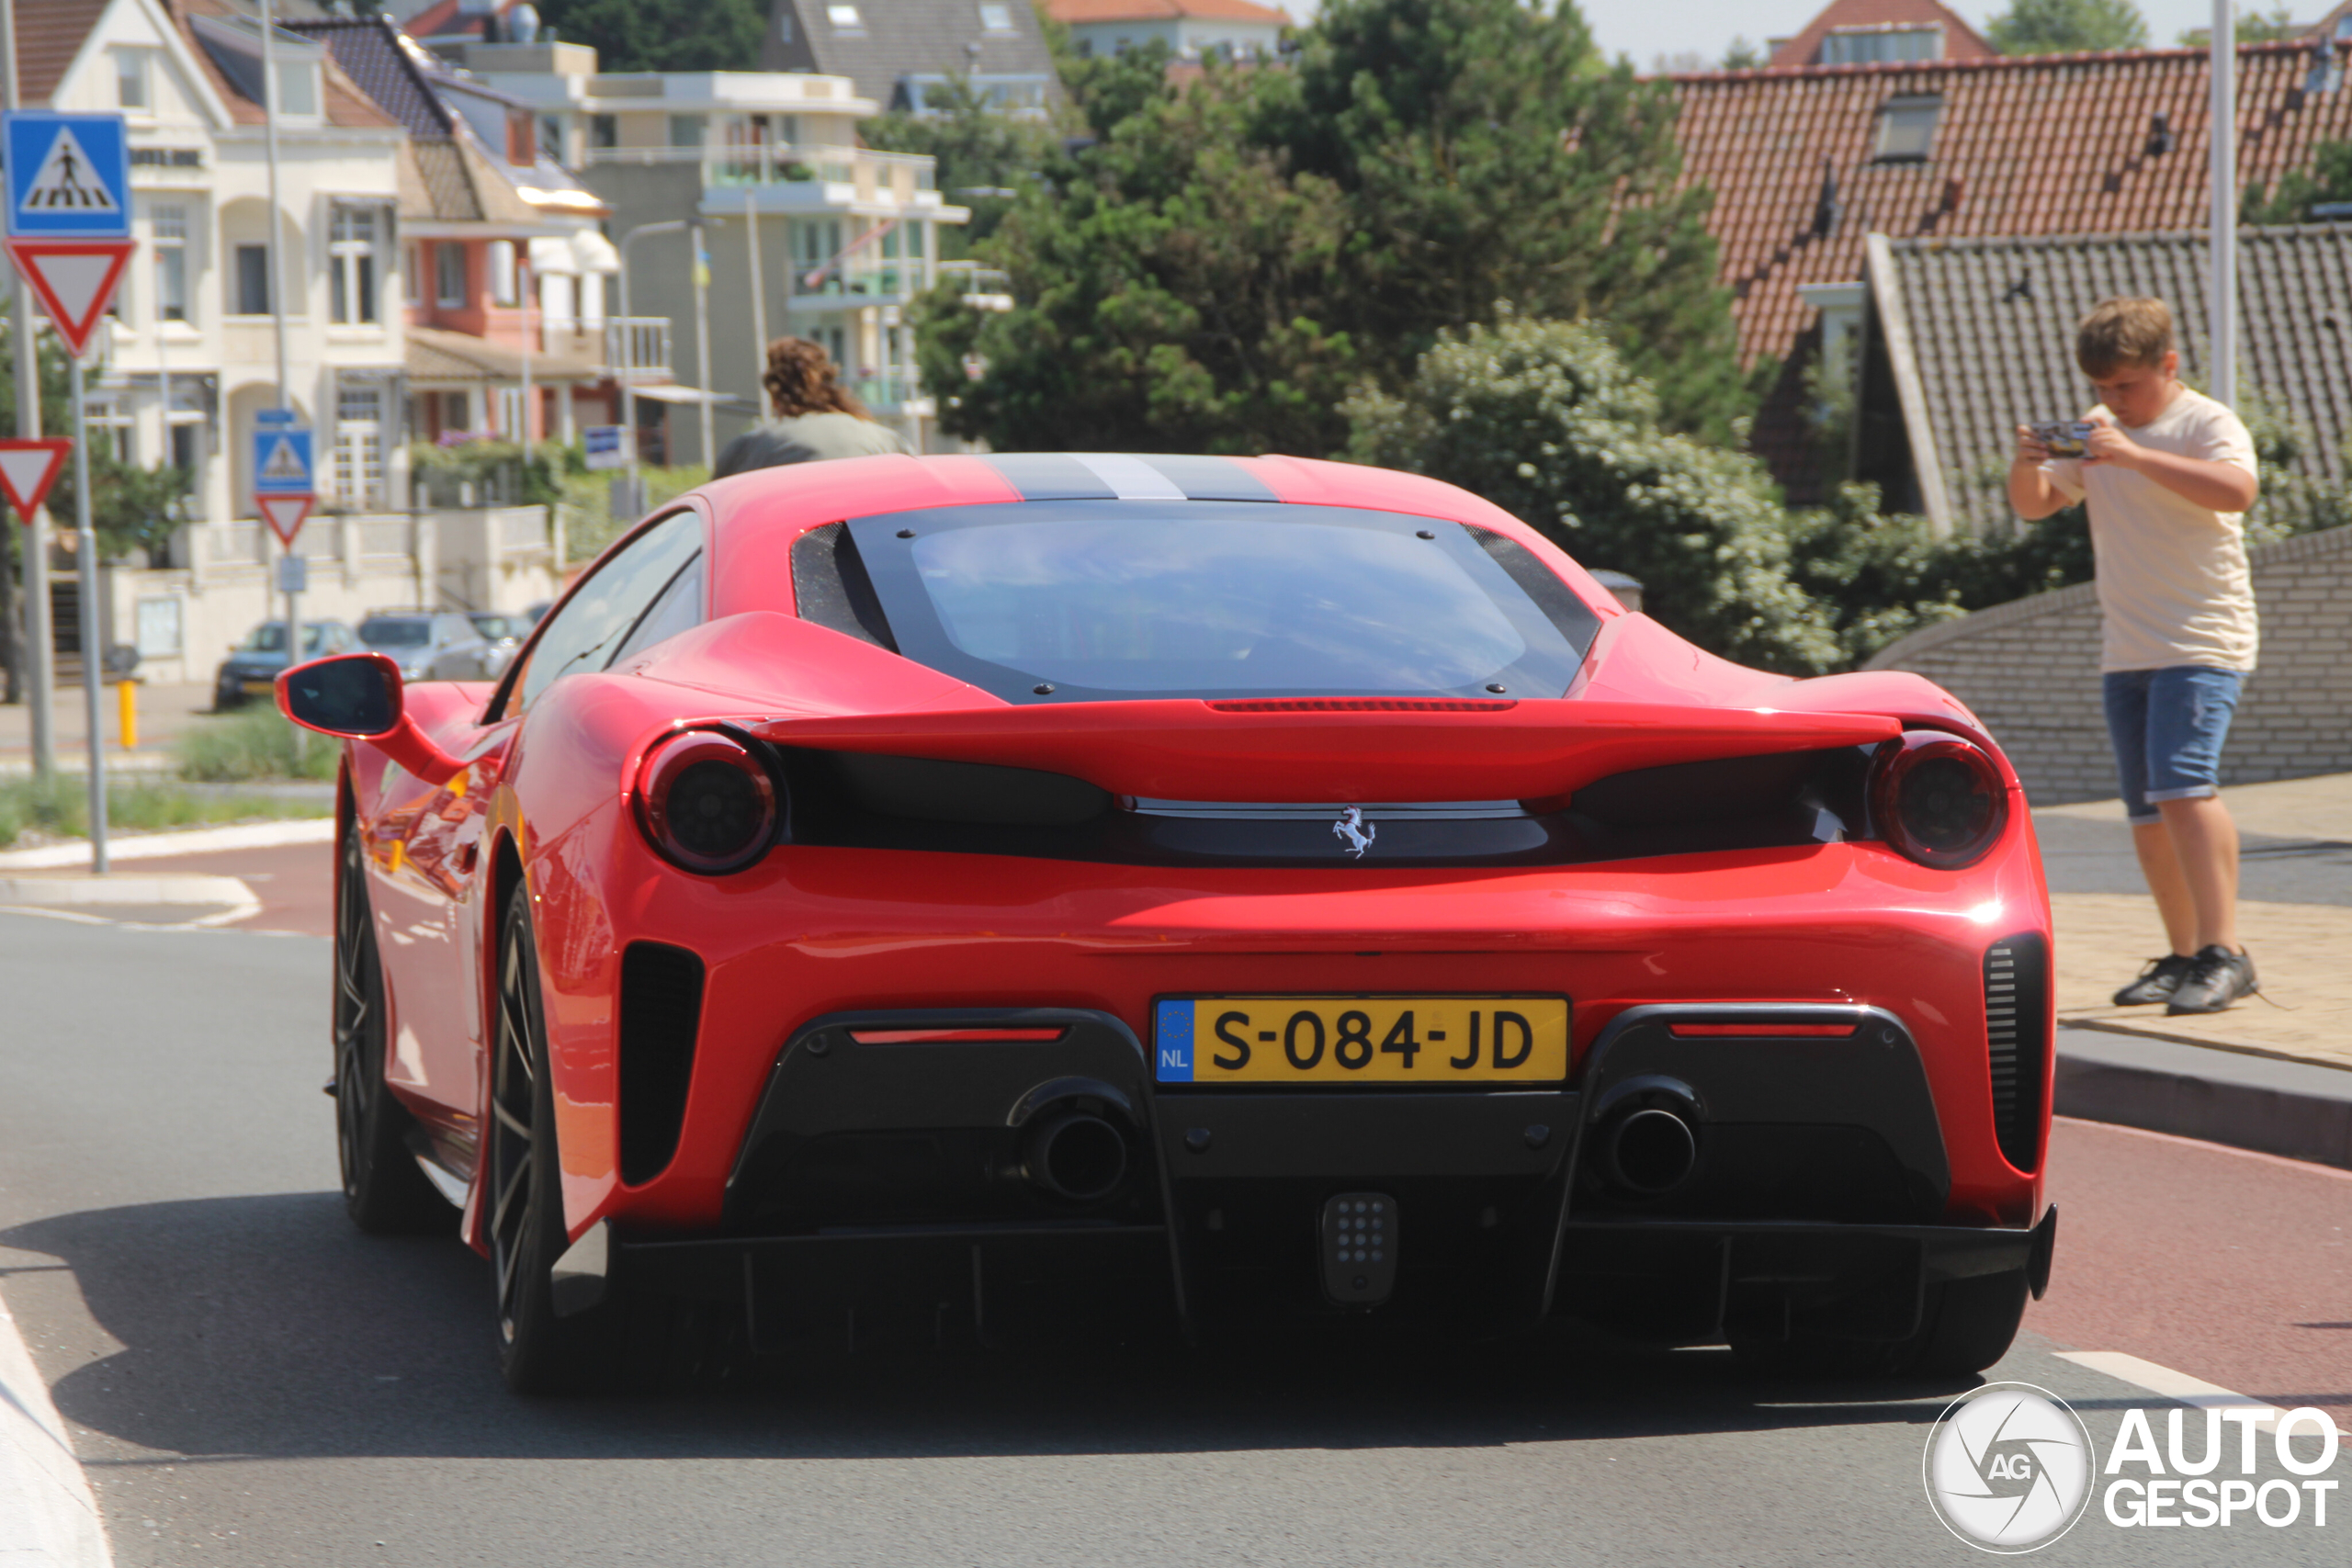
815,416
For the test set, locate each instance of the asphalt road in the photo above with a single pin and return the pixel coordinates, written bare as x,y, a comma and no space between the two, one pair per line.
249,1380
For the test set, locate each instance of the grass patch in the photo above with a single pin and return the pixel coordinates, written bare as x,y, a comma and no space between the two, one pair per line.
252,742
62,808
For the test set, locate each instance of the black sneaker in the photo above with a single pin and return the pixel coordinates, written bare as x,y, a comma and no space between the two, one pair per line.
2157,982
2216,979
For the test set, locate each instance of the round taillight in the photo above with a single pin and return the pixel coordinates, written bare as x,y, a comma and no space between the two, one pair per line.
1937,799
706,802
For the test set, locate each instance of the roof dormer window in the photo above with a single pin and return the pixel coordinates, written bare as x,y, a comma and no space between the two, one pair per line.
845,18
1906,129
995,19
1895,45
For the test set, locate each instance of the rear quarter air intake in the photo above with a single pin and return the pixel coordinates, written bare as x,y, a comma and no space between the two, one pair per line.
2016,1039
661,1014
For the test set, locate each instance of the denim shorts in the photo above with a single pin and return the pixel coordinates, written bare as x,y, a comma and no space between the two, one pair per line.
2167,727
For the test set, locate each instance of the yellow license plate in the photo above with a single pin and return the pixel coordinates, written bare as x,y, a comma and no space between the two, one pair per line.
1326,1040
259,688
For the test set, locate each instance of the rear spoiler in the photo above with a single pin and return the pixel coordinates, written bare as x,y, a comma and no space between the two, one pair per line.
1326,750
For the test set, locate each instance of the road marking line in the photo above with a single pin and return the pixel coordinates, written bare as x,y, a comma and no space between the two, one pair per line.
43,1492
2179,1387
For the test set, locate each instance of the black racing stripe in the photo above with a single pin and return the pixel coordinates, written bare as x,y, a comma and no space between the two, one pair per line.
1211,479
1050,476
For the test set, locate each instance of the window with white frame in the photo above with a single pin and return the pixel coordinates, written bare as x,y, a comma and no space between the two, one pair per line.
298,87
130,68
510,415
1906,129
168,225
250,281
501,272
351,266
109,423
449,275
1893,45
359,444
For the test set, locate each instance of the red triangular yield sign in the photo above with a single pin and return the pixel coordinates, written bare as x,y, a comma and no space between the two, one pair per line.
284,514
27,468
73,279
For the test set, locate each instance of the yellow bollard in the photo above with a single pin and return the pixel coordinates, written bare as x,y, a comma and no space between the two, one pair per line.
127,705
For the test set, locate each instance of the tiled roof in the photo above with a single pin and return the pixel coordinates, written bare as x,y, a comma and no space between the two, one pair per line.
48,35
370,51
345,105
1960,41
898,39
1992,326
436,355
2048,144
441,173
1161,10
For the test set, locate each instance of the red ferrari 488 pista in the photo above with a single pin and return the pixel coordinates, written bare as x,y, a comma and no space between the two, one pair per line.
981,897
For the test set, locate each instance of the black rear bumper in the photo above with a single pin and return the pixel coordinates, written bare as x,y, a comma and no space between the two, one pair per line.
887,1189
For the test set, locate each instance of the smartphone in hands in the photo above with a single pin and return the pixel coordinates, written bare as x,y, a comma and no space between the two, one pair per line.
2065,438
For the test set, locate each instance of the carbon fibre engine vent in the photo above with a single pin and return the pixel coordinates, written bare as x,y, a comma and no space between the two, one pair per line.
2016,1039
661,1015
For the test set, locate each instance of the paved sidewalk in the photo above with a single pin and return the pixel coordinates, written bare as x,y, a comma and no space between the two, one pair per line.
2295,918
165,712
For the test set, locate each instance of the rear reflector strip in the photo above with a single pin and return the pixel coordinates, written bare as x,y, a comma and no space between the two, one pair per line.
952,1036
1766,1030
1358,705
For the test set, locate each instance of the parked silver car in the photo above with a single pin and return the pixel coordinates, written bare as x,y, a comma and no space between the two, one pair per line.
504,633
430,645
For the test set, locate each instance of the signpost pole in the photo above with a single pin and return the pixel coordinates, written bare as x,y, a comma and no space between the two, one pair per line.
41,665
702,343
94,663
278,301
2222,308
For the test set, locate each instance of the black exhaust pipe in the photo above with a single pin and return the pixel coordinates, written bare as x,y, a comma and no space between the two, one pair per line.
1650,1151
1076,1156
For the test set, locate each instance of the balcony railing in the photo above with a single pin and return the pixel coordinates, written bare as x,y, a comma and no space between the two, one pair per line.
774,163
636,348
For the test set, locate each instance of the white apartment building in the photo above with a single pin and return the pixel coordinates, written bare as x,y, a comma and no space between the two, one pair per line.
190,357
804,232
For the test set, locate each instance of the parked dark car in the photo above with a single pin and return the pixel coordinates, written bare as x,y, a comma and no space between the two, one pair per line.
250,669
430,645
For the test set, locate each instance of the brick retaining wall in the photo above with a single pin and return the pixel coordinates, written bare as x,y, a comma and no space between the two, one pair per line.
2029,669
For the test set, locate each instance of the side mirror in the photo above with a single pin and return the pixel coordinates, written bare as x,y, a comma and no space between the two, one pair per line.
356,696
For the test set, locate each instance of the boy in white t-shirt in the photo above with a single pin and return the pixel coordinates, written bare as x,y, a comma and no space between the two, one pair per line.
2168,474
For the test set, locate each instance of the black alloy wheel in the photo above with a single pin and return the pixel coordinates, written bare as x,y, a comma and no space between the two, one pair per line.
538,1352
383,1191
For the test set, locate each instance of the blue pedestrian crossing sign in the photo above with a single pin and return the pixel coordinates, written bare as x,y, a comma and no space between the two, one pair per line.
69,176
282,461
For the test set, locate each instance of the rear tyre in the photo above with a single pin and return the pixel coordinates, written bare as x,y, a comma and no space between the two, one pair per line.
1971,1324
538,1352
383,1191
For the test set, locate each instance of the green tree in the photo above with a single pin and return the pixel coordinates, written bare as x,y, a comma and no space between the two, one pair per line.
1170,289
984,158
1486,152
662,35
1745,56
2067,26
2329,179
2250,27
130,507
1546,420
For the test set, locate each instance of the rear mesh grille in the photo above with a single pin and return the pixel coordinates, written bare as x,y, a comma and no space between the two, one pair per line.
660,1013
1358,705
2017,1037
